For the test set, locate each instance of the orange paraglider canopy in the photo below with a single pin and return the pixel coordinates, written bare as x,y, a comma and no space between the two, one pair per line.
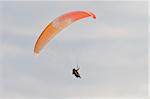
57,25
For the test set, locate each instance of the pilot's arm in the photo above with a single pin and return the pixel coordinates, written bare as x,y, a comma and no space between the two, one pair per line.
78,69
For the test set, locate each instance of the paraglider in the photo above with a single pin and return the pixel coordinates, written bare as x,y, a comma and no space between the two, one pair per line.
75,72
57,25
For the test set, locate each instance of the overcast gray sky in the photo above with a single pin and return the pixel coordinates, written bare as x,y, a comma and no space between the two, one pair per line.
110,50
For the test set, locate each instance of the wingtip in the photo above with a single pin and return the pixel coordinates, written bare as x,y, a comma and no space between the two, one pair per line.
91,14
36,53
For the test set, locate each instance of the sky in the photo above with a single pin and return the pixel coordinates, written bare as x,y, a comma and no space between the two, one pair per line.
111,50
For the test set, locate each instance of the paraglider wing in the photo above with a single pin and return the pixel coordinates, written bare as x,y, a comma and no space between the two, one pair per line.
57,25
